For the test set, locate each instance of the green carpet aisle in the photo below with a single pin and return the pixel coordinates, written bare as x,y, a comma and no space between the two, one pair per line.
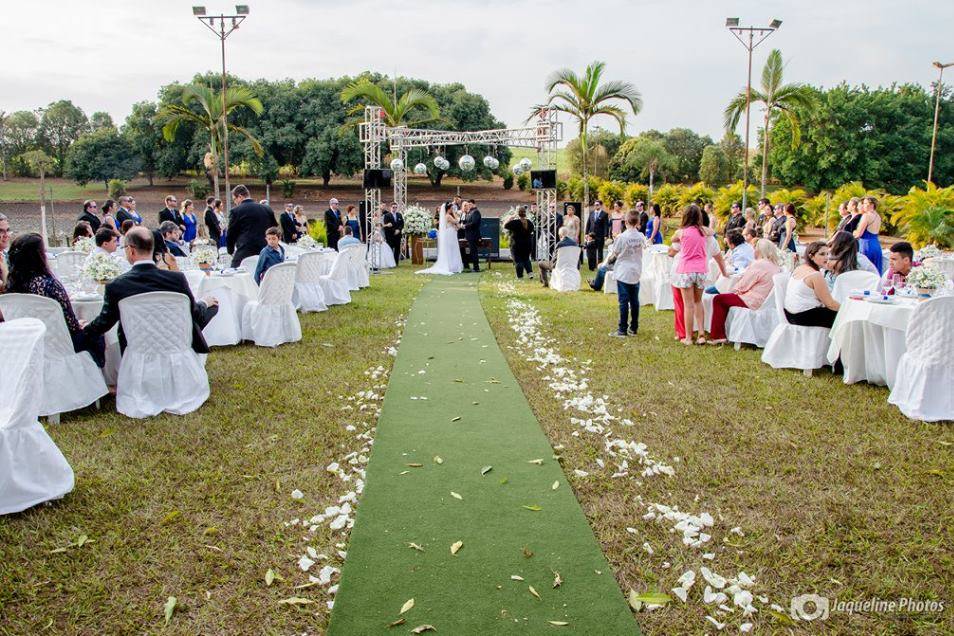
469,464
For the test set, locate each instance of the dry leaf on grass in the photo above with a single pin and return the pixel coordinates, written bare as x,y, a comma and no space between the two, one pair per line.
533,591
455,548
557,580
408,604
414,546
456,495
420,629
169,608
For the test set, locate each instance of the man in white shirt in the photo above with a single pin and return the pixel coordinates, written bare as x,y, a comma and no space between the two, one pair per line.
626,254
347,239
741,253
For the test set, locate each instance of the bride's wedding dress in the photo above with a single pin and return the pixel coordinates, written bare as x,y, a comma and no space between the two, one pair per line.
448,250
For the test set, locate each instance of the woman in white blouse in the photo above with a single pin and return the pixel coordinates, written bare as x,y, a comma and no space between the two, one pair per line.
808,301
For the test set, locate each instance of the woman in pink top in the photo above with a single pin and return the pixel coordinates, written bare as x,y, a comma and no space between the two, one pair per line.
690,275
750,291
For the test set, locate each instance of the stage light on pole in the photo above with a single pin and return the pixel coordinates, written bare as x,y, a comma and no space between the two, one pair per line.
198,11
241,9
734,25
937,108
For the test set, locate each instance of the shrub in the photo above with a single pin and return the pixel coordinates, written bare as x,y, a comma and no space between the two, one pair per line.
199,189
698,193
819,211
920,199
667,196
931,225
561,188
287,172
316,230
635,192
508,181
288,188
726,196
610,191
523,181
117,188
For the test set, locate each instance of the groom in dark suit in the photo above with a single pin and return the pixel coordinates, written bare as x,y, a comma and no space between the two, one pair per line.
146,277
597,224
472,235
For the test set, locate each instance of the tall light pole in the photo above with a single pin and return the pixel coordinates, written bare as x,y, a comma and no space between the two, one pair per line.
747,36
937,109
222,26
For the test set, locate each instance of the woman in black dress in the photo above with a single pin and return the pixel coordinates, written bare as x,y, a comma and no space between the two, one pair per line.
521,241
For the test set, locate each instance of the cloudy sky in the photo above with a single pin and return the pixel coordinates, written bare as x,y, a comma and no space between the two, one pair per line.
107,54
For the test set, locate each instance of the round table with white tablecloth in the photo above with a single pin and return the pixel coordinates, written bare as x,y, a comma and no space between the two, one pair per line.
869,337
232,291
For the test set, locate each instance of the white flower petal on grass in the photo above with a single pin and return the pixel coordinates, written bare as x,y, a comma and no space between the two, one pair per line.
715,623
745,628
682,593
305,563
297,494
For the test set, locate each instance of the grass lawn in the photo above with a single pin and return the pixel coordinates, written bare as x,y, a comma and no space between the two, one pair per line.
835,491
195,507
25,190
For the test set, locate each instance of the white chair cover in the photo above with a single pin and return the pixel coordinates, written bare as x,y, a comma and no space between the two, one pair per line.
850,281
351,270
334,284
385,257
71,380
566,277
925,377
160,371
194,277
32,468
225,328
360,256
69,265
609,283
792,346
752,326
292,251
249,263
271,320
308,292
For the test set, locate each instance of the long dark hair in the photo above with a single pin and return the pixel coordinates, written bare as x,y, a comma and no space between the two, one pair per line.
657,211
27,261
843,250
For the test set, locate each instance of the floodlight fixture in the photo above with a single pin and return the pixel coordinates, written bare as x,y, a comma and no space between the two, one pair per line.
198,11
241,9
776,23
732,22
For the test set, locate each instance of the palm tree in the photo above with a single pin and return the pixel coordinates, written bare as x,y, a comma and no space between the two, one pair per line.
788,99
583,98
209,117
397,110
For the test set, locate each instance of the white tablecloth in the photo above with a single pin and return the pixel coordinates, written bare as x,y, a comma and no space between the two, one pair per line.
87,307
870,339
232,292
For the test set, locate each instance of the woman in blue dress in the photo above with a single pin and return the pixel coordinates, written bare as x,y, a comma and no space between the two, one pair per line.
353,223
654,230
786,239
867,232
188,219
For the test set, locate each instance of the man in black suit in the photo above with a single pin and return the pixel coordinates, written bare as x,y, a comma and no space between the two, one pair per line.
392,235
171,213
472,236
212,222
247,225
333,224
597,224
170,236
146,277
289,227
125,212
89,215
398,226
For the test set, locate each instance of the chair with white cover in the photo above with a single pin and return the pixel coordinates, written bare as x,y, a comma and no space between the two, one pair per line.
194,277
32,468
360,256
925,375
352,272
69,265
853,280
71,380
308,291
272,320
292,251
249,263
752,326
794,346
334,284
160,372
566,277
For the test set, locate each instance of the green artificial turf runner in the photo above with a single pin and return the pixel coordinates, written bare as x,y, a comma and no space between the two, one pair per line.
518,518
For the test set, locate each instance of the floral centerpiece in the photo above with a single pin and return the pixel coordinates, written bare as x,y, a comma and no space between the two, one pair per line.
926,279
417,221
101,267
928,251
84,244
204,256
307,243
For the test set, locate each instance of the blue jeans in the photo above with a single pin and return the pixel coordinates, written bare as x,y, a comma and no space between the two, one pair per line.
628,294
600,277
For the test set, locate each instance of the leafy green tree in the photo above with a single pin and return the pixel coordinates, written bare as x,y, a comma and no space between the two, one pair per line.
202,107
61,124
643,158
4,142
734,151
100,156
101,119
777,99
714,167
20,136
144,134
584,97
333,151
603,146
686,146
412,108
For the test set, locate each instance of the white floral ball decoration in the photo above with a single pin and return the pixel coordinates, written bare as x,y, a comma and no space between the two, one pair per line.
397,165
420,168
466,163
517,170
441,163
101,267
491,162
417,220
526,164
84,244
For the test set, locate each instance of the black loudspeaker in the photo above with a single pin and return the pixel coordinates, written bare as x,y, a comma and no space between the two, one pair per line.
377,178
543,179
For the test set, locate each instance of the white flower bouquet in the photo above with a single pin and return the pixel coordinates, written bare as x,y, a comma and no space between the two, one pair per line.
307,243
101,267
204,256
417,220
84,244
926,277
928,251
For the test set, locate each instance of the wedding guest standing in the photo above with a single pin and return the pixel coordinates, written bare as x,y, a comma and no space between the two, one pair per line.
626,255
750,291
867,232
854,215
843,217
301,221
352,222
786,239
247,225
654,227
643,218
750,221
333,224
521,241
597,224
690,273
736,220
391,234
171,213
572,223
289,228
808,301
617,220
30,274
89,215
272,254
399,221
213,222
189,222
107,211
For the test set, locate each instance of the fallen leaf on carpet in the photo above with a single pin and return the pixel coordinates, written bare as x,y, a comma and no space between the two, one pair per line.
408,604
533,591
455,548
557,581
503,482
486,469
295,600
414,465
527,552
461,380
403,472
456,419
169,608
420,629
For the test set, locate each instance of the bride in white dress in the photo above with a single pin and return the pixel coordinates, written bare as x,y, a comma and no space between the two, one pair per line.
448,249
